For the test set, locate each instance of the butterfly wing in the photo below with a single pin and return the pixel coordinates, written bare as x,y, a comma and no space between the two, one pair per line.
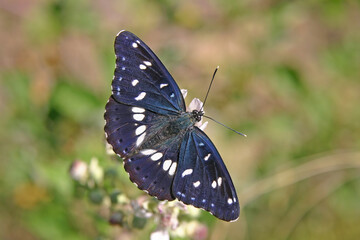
141,79
144,96
152,167
202,179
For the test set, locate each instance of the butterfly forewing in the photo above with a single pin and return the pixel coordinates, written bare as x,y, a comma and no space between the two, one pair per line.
202,179
141,79
163,152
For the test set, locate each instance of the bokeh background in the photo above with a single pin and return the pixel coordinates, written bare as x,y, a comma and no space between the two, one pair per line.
289,78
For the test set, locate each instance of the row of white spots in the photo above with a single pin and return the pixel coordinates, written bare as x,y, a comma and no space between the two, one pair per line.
216,183
207,157
138,116
187,172
134,82
169,165
162,85
140,96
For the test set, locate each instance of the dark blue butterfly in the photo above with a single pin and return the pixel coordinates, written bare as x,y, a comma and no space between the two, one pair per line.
164,153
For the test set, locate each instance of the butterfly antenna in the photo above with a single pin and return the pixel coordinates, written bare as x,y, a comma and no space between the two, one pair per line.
212,79
242,134
202,107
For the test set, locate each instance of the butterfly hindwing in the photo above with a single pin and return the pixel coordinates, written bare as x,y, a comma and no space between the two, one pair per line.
151,168
141,79
202,179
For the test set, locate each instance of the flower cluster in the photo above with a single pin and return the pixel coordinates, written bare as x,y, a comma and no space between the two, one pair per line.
171,218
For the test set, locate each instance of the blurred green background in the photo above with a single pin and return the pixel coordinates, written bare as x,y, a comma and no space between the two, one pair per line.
289,78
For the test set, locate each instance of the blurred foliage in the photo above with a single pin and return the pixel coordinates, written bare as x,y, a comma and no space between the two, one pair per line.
289,78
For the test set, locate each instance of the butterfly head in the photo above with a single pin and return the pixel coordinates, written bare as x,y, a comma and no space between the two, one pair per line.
197,115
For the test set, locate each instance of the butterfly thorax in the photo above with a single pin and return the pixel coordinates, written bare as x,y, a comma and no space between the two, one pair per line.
170,130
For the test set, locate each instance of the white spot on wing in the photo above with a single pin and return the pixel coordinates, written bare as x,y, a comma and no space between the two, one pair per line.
163,85
140,130
207,157
134,45
213,185
156,156
140,139
138,116
137,110
172,169
230,201
147,63
172,95
187,172
166,165
148,151
123,58
134,82
142,66
219,181
123,68
138,41
141,96
196,184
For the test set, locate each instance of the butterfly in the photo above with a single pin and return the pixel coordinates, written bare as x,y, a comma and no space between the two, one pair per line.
164,152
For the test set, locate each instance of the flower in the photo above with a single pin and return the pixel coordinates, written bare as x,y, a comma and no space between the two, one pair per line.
160,234
195,104
79,171
96,172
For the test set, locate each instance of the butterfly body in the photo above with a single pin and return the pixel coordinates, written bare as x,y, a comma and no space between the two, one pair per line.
164,152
